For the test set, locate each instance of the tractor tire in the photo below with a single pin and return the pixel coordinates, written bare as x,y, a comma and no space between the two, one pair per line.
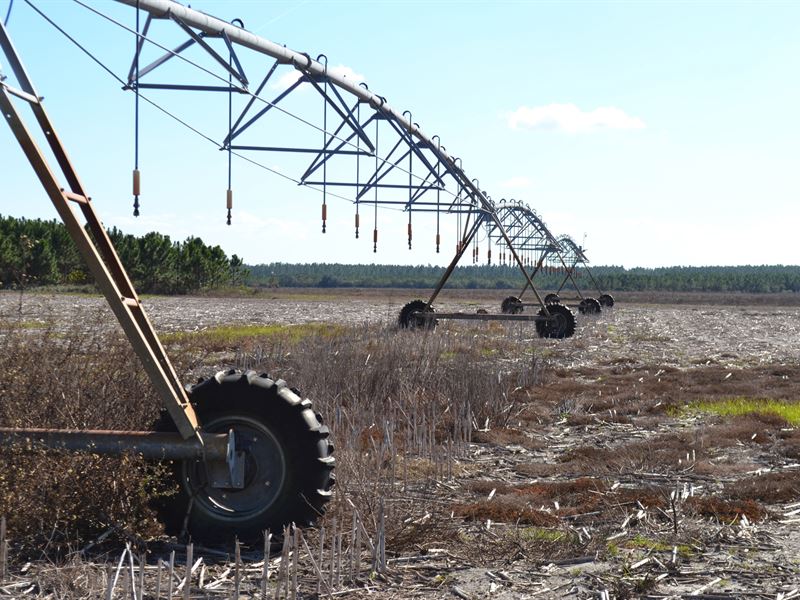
552,299
288,462
511,306
560,324
409,320
589,306
606,300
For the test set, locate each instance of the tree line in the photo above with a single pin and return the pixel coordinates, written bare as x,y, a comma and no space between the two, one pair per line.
758,279
38,252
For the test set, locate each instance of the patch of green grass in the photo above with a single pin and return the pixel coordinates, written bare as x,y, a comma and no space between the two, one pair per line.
739,406
30,324
443,579
543,534
640,542
232,334
298,296
543,352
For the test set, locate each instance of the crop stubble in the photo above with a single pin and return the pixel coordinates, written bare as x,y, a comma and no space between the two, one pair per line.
581,459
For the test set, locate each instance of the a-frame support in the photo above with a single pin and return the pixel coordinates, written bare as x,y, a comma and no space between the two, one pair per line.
94,244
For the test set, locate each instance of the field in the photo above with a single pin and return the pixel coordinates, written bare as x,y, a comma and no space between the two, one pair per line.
654,454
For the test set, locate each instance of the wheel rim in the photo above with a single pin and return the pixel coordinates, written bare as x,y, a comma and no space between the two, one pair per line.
265,472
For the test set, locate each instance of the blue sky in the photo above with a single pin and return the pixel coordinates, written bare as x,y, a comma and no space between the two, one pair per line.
666,133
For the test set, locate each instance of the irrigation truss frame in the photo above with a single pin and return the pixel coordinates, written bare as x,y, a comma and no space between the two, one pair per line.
421,160
574,256
427,171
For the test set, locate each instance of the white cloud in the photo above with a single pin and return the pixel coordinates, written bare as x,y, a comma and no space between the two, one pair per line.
286,80
518,182
289,77
570,118
347,72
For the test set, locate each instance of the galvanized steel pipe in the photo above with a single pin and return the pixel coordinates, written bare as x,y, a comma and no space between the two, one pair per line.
150,444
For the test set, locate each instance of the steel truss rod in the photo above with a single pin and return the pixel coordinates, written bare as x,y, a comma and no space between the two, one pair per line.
383,169
300,150
198,38
462,248
319,161
523,221
569,277
250,103
398,186
591,276
576,256
234,133
580,258
346,115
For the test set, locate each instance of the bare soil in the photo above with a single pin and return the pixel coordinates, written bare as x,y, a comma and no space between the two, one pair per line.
600,485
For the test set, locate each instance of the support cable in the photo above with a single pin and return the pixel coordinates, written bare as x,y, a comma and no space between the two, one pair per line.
8,13
136,172
229,193
438,199
375,221
410,176
324,143
358,163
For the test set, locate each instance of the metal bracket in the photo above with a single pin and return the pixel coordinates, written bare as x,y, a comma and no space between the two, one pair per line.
227,473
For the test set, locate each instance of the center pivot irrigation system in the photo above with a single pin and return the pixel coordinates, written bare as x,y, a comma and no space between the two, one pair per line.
544,253
248,452
574,256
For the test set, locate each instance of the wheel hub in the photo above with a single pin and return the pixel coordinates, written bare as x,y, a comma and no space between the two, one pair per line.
264,471
558,323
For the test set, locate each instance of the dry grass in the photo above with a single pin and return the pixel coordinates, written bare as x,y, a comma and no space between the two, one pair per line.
452,430
670,451
505,509
506,436
727,511
55,503
401,407
771,488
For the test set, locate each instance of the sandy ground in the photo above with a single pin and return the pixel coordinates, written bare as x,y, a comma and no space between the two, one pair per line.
679,336
642,343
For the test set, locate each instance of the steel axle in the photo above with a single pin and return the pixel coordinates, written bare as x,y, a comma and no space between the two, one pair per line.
149,444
